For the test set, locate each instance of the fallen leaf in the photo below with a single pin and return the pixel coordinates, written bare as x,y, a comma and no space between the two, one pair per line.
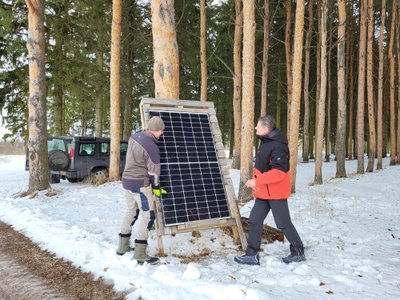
232,277
330,292
322,283
105,269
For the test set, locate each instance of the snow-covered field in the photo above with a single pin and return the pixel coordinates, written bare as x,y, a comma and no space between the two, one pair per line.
350,228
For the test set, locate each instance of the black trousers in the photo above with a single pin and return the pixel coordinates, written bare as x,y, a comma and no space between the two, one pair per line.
280,212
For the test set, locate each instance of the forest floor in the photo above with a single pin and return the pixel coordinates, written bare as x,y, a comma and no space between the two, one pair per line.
27,272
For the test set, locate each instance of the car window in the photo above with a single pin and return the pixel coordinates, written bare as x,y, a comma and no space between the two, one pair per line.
104,149
56,144
86,149
124,148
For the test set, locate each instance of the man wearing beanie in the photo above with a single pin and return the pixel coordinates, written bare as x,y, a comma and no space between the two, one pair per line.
141,179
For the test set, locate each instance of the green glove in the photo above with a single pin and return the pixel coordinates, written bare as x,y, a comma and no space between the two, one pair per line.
157,191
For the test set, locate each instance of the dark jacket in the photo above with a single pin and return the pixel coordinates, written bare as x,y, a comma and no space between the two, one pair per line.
271,169
142,166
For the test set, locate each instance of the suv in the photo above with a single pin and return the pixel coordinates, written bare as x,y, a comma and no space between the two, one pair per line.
75,158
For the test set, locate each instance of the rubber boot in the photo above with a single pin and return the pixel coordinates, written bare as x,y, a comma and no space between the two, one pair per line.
141,255
124,244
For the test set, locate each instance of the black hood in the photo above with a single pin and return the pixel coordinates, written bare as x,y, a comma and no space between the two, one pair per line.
274,135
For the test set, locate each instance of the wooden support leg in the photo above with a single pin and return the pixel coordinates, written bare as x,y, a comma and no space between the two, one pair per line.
160,245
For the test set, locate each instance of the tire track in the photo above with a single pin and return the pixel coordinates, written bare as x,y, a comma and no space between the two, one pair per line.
17,282
28,273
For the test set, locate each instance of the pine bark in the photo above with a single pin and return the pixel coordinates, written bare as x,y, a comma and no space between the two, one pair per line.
37,142
264,80
296,91
306,92
165,47
380,88
203,55
98,121
392,64
288,52
361,88
350,143
246,162
237,84
328,144
320,116
398,87
341,114
58,87
115,74
370,88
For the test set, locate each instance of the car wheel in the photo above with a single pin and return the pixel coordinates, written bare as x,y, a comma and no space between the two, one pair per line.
72,180
55,178
99,176
58,160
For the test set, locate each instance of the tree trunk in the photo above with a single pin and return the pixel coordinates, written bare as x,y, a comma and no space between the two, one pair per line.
279,98
237,84
398,99
58,84
392,63
288,52
115,74
98,121
328,104
314,108
386,114
246,162
361,88
296,91
320,116
350,143
165,47
58,109
37,142
306,125
370,88
264,81
203,56
341,114
380,86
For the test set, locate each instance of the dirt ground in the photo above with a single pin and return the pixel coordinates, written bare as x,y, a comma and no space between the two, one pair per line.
26,272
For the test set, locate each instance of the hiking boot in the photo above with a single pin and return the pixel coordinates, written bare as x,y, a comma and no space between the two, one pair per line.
293,258
247,259
141,255
123,246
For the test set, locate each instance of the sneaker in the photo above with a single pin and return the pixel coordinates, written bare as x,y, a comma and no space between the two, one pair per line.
293,258
246,259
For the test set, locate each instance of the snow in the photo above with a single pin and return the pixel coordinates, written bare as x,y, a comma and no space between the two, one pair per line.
350,228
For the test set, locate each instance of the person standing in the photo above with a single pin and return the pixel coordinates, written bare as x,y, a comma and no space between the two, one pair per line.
271,187
141,179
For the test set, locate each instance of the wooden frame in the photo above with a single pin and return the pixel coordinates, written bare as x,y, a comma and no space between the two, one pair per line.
235,220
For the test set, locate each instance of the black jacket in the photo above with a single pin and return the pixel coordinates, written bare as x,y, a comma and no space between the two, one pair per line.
273,152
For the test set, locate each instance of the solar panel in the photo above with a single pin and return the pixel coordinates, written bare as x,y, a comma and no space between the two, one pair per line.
190,170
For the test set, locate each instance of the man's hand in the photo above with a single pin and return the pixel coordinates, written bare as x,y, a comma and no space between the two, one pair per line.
157,191
251,183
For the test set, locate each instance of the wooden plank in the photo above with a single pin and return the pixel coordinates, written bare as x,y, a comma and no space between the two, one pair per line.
175,103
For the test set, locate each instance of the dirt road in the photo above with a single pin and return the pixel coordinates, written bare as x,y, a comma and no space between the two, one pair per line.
26,272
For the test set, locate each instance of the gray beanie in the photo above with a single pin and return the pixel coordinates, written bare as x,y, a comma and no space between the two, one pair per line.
155,124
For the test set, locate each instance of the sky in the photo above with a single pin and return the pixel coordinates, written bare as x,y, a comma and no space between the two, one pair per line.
350,228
